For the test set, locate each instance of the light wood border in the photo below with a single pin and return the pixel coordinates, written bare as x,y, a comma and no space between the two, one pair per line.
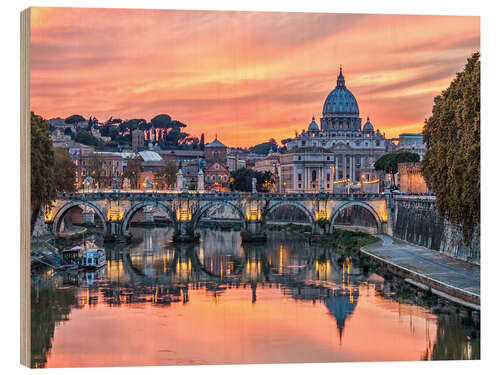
25,189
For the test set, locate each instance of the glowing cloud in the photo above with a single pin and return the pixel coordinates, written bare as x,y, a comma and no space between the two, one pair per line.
246,76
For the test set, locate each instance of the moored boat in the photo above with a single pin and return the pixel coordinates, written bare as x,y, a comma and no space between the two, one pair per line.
93,258
72,256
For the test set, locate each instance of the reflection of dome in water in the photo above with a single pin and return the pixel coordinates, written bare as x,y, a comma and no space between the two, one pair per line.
341,305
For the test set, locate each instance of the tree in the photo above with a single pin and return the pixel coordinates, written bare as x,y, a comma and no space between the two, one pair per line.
389,162
95,168
133,170
241,180
66,171
202,141
73,119
68,131
451,164
86,138
265,181
43,190
168,173
264,148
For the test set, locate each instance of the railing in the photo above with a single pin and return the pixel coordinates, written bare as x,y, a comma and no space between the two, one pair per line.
166,195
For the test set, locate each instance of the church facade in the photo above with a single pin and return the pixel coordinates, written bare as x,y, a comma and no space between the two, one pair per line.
339,153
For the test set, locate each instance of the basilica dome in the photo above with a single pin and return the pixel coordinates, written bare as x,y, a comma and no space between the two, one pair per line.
340,101
313,127
368,127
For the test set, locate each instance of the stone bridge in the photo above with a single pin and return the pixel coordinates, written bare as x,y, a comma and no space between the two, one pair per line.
185,210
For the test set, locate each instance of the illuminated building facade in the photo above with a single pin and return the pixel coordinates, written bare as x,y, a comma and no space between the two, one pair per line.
341,148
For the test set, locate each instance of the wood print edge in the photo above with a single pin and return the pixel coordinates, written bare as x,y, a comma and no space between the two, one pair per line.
25,352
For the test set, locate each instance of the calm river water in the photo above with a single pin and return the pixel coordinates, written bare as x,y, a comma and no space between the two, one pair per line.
221,302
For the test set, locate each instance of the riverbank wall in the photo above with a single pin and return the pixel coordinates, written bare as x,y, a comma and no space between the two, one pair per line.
420,281
415,219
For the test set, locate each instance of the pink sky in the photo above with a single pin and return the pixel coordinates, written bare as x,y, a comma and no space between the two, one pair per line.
245,76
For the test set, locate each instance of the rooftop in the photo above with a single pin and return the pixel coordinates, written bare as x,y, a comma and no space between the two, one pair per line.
215,143
150,156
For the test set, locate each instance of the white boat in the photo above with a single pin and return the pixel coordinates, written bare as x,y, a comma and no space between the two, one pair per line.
93,258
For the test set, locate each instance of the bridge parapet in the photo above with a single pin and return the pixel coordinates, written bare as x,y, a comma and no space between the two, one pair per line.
185,209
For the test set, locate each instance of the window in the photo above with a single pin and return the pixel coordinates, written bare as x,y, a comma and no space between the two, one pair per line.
328,176
303,143
300,157
300,186
328,186
299,177
313,176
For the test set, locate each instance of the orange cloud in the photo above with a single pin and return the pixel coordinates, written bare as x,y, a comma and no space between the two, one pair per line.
247,76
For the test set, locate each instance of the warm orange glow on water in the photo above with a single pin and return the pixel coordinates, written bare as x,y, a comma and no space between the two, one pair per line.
159,304
246,76
234,330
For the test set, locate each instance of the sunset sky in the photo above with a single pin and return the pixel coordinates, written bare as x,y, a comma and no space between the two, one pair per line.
245,76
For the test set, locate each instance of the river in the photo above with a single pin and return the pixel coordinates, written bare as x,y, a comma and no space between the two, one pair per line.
224,302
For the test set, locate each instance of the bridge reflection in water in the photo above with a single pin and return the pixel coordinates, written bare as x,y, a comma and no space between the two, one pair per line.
269,300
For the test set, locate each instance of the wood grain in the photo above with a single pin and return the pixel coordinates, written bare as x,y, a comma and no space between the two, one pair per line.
25,189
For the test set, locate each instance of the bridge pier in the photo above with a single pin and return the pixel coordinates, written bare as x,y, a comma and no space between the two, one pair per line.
320,231
254,231
147,214
114,233
185,232
88,217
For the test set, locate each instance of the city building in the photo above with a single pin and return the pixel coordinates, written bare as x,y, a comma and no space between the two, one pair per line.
151,161
216,151
235,161
216,176
304,169
410,178
270,163
182,156
110,166
341,148
411,143
190,171
137,140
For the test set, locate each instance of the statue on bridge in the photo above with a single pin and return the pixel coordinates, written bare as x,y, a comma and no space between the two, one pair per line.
180,180
201,181
116,184
126,184
149,183
88,183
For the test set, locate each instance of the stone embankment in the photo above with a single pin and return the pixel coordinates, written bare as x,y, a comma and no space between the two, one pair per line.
447,277
415,219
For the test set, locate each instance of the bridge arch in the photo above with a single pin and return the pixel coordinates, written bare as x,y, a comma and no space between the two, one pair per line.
299,206
364,205
69,205
205,207
136,207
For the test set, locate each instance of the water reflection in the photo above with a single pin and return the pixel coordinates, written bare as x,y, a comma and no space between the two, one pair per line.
305,301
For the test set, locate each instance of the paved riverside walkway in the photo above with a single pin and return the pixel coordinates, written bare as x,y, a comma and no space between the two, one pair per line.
428,264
